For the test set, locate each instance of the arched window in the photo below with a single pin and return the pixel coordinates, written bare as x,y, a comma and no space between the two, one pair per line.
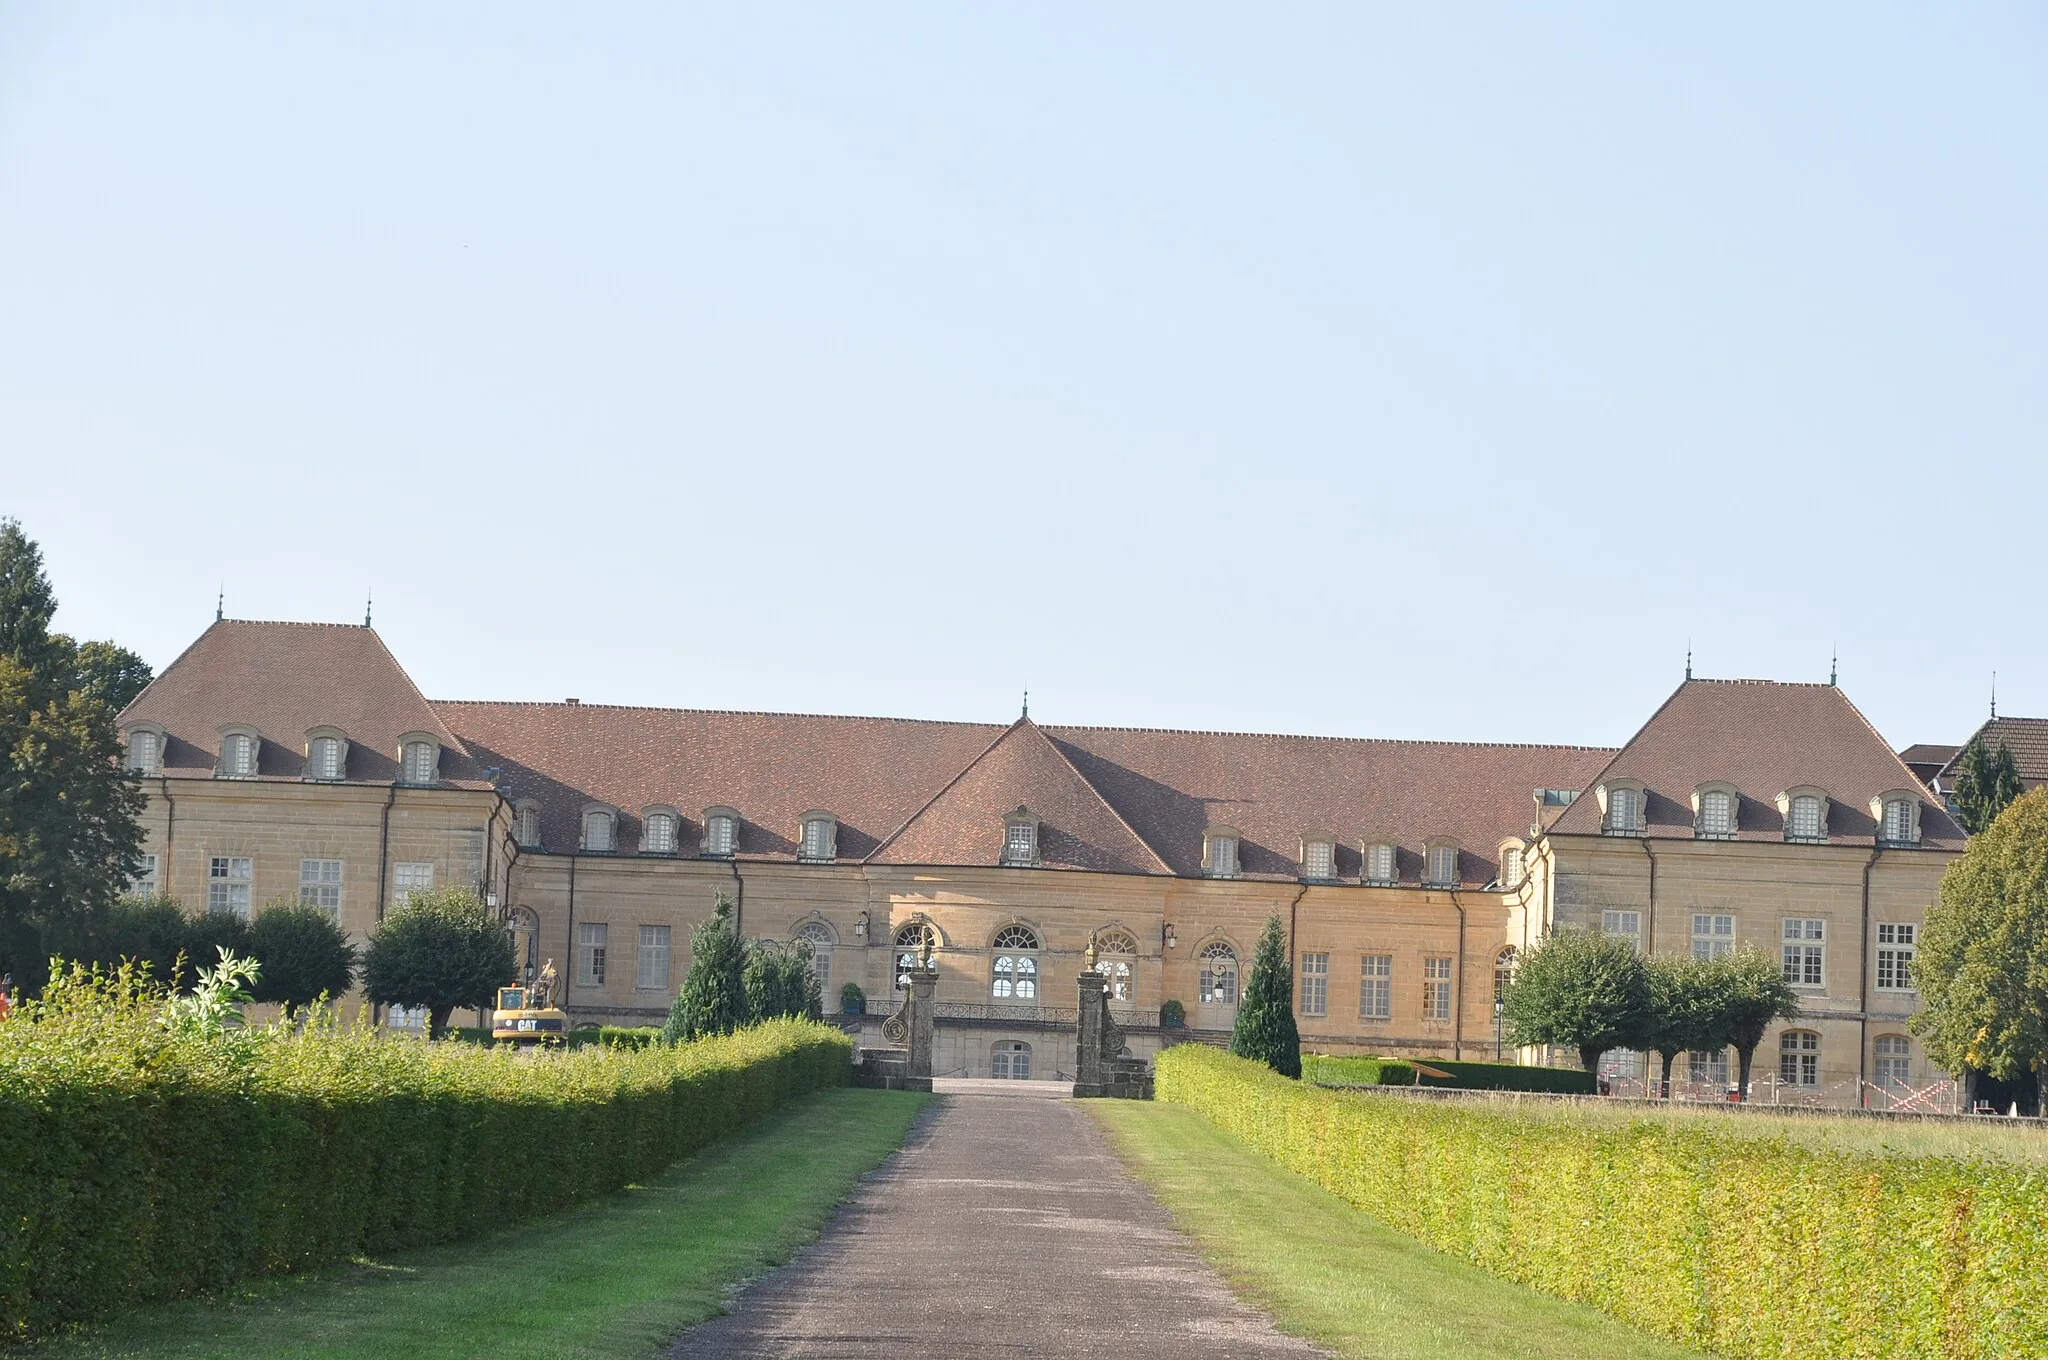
1894,1054
1624,810
820,838
525,929
1503,974
1511,866
421,762
658,832
1899,828
1319,860
238,755
324,758
1010,1060
145,752
818,936
1219,974
1717,816
526,825
1219,853
1799,1057
597,832
910,942
721,833
1379,863
1443,866
1805,816
1016,972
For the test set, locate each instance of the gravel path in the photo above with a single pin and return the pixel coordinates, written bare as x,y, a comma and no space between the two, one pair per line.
1005,1227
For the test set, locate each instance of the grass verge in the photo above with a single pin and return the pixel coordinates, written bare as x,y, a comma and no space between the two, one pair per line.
1326,1272
613,1279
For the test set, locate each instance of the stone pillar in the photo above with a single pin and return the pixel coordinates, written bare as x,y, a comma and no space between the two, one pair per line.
924,982
1094,1014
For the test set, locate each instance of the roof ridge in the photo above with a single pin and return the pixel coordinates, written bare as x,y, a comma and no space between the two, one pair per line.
711,712
292,623
1310,736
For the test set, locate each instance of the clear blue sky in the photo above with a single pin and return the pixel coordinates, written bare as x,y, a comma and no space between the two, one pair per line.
1403,371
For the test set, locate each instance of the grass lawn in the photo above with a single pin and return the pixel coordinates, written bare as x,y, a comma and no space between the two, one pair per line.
615,1278
1326,1272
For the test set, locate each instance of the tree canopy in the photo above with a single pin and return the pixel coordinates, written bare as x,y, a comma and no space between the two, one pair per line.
1684,1016
305,955
1982,968
1749,992
1986,784
713,999
1580,990
440,950
70,833
1265,1028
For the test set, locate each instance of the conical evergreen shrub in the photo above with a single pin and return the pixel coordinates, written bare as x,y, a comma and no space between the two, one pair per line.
1265,1013
713,999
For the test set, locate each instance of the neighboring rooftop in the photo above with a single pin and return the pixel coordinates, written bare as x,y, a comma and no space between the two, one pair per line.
2026,737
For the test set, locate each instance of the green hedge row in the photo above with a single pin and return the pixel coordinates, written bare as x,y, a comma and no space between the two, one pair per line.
1745,1246
137,1164
609,1036
1468,1076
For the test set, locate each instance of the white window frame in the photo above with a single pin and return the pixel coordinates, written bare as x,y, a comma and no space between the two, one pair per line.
1440,867
600,831
593,942
818,844
526,826
1438,983
659,832
1717,828
721,834
151,762
1010,1060
1514,866
420,762
230,882
1799,1058
1376,987
1014,974
240,755
409,877
1382,864
1892,1061
1020,842
1319,861
320,885
1710,1068
144,882
1897,827
1217,978
1315,984
1623,924
1623,810
326,758
1713,935
1797,826
1898,944
652,965
1802,953
1220,854
818,936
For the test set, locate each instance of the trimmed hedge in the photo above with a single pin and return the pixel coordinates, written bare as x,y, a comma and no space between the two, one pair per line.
1745,1246
1465,1076
136,1164
610,1036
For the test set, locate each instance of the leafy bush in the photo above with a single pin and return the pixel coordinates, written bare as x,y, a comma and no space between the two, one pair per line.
141,1161
852,1000
305,955
1172,1015
1464,1076
780,980
1744,1245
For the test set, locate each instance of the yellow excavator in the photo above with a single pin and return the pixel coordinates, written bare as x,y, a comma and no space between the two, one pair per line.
527,1016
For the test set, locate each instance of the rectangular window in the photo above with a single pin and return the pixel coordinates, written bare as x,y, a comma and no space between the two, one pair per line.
1898,821
1805,818
590,944
1799,1058
1443,865
1894,1061
1511,867
1717,815
1315,984
653,974
1020,843
142,752
1803,946
144,882
718,836
1379,866
1627,924
1376,987
817,839
1319,860
1708,1068
1436,989
661,834
419,762
227,885
1621,810
320,885
407,879
1223,857
1713,937
1895,948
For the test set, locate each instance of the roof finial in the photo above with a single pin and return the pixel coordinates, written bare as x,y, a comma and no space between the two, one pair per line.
1688,658
1027,704
220,603
1834,664
368,597
1994,694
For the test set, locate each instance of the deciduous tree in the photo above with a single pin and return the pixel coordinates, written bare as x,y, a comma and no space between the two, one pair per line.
305,955
1265,1028
1682,1013
1582,991
442,949
1749,993
1982,967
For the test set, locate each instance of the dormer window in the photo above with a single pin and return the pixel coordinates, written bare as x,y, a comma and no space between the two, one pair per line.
1319,859
419,759
526,825
1621,808
1219,853
721,833
1714,813
145,751
1020,839
1805,811
598,826
820,844
1511,871
658,832
326,755
1441,866
1379,863
1898,817
238,755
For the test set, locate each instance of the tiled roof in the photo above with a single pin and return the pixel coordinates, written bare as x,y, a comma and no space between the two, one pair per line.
771,768
1172,786
964,822
1763,737
285,679
1929,753
2028,740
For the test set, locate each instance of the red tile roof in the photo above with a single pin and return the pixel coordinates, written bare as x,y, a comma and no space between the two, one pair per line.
2028,740
1763,737
284,679
964,822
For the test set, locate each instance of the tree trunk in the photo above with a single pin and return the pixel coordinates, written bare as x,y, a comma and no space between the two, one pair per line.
1589,1058
1742,1060
1664,1091
437,1021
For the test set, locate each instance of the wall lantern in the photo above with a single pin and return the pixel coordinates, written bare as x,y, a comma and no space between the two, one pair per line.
1172,940
860,927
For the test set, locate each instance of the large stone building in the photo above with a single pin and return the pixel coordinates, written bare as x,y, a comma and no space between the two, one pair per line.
297,761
